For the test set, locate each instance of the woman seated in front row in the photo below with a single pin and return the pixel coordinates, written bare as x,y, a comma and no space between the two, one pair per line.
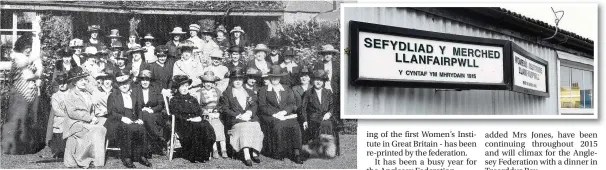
240,105
195,134
85,145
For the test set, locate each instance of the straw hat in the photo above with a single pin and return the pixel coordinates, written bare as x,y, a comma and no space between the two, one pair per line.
261,47
221,28
209,76
76,43
123,77
94,28
194,27
328,49
148,37
114,33
253,73
216,54
134,49
237,29
177,30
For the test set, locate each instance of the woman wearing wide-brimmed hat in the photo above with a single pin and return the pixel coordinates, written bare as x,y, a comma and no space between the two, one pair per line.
58,114
194,31
291,67
115,38
237,37
85,145
219,69
195,134
302,87
253,76
278,117
209,46
94,40
189,66
176,41
235,54
138,61
317,109
149,48
124,114
259,62
240,107
76,49
209,100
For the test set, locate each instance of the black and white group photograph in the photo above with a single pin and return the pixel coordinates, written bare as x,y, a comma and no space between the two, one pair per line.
172,85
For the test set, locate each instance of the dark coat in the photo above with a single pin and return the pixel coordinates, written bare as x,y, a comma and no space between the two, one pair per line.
298,91
334,81
269,105
162,76
173,49
116,109
184,107
243,42
232,108
313,110
230,66
154,101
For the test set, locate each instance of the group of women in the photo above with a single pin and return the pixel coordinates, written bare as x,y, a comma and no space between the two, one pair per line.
223,106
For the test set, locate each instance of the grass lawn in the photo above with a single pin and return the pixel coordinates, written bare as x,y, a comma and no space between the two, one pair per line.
347,160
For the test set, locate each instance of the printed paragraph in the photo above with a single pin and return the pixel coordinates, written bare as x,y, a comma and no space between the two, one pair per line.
419,150
529,150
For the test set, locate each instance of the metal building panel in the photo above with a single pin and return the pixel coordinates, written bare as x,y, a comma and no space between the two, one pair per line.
417,101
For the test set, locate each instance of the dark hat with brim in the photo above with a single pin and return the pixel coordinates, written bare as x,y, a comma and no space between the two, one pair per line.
276,71
304,72
237,49
76,73
320,75
179,80
135,50
145,75
123,77
261,47
238,73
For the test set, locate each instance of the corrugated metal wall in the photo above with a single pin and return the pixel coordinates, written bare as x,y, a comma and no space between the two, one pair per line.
417,101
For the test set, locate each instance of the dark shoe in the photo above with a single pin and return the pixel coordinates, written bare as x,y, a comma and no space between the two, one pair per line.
256,159
248,162
298,160
91,165
128,163
145,162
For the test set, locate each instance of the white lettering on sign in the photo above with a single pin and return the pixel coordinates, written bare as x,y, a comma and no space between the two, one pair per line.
528,74
397,58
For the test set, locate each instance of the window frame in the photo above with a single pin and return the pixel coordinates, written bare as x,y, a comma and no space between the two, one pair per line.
5,65
579,63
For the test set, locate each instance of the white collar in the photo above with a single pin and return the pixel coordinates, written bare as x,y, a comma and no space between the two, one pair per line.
291,64
272,87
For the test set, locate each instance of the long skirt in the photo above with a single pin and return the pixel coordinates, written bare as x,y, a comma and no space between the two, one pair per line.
21,133
197,138
246,135
85,146
316,129
219,129
283,137
133,140
57,144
